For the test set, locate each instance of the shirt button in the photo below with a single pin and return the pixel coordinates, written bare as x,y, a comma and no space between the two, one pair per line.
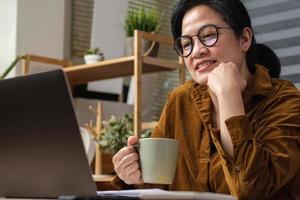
237,168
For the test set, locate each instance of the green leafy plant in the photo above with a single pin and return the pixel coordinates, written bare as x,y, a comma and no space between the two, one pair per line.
142,19
11,66
93,51
114,136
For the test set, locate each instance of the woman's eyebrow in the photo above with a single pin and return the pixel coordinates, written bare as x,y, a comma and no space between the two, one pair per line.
199,29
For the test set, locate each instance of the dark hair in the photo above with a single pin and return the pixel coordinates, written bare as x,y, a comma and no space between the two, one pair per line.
235,14
263,55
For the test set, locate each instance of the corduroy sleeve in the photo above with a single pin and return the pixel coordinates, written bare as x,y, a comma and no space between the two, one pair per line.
265,151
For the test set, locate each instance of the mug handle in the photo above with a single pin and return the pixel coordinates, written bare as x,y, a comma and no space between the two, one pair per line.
136,146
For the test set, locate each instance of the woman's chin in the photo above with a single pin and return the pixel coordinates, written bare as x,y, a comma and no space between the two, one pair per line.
202,80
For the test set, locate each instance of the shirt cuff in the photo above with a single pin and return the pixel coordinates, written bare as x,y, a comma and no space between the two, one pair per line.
239,129
120,184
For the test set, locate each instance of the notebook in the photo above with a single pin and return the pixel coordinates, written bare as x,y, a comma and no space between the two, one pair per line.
41,151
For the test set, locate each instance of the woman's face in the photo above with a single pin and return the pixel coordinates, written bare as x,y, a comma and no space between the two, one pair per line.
204,59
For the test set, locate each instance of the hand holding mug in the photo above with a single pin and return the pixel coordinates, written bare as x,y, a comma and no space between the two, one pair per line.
126,163
158,158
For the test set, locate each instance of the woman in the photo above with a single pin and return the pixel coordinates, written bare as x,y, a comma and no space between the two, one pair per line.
238,127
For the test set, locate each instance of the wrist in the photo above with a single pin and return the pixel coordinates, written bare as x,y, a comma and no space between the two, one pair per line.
231,104
229,93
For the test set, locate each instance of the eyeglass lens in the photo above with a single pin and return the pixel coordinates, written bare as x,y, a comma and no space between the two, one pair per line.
207,35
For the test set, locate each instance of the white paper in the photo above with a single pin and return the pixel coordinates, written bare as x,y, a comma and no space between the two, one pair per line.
128,193
163,194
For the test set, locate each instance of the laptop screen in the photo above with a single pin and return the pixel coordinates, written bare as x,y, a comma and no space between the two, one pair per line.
41,150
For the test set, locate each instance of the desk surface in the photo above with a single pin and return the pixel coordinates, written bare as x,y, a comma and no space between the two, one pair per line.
103,178
103,182
149,194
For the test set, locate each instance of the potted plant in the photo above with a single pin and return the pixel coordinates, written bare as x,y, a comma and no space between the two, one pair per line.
114,137
141,19
116,132
11,66
93,55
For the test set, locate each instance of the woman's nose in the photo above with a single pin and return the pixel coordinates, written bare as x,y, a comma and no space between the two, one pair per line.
199,49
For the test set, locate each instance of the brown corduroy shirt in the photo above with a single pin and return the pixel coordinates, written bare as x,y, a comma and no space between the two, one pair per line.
266,141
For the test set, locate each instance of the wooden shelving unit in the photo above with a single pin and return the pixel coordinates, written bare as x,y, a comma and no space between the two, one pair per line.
135,65
118,67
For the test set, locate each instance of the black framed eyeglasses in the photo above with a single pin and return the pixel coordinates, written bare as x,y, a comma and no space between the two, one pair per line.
208,35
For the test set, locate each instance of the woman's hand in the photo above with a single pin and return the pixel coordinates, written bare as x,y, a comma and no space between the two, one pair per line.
126,163
227,84
226,79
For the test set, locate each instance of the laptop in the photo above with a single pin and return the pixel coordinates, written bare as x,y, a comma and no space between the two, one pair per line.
41,151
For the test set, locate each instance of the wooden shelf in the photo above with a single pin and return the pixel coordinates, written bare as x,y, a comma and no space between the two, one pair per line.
103,178
103,182
135,65
114,68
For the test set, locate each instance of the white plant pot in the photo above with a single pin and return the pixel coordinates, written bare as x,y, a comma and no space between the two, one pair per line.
146,45
93,58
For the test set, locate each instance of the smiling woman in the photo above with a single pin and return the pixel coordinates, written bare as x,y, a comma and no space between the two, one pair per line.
237,126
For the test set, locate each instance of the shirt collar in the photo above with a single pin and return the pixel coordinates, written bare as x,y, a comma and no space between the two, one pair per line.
259,84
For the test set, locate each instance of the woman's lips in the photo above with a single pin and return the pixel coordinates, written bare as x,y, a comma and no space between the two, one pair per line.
204,66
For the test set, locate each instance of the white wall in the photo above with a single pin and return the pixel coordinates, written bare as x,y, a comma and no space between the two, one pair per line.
39,23
109,36
43,28
107,27
8,21
34,27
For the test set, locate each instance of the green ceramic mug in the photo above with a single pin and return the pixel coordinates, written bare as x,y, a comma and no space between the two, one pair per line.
158,159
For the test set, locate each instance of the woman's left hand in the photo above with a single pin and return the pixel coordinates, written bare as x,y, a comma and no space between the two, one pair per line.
226,79
227,83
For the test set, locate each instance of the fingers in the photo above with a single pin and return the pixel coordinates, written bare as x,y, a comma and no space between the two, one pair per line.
136,177
130,169
122,153
228,66
226,78
132,140
126,150
126,165
128,160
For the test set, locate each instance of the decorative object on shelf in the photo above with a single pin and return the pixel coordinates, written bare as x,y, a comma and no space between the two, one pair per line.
116,132
88,143
11,66
93,55
146,20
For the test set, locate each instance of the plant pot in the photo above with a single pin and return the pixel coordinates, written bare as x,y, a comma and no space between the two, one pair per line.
149,48
107,165
93,58
102,164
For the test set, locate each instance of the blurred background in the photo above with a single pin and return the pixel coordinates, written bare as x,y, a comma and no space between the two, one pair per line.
65,29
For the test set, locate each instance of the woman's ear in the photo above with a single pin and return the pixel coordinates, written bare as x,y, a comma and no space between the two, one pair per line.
246,39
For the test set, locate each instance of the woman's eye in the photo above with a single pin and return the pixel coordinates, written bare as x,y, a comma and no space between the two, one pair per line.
209,36
186,45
